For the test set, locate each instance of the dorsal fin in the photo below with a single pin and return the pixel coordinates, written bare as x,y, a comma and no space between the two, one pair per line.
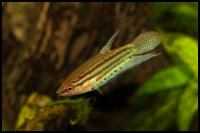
109,43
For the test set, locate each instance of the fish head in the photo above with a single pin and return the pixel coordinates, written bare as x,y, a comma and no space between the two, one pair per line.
70,88
67,90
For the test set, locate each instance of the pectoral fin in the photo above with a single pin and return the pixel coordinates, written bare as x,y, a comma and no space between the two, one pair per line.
109,43
98,90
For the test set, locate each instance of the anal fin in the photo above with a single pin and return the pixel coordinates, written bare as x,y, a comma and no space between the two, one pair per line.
138,59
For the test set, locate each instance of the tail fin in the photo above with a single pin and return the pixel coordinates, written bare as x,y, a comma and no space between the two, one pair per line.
146,42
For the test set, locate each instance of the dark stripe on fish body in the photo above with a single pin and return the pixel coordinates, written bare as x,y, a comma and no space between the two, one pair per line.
99,65
114,64
110,76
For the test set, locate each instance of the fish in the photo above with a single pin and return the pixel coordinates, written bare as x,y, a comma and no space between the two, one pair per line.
109,64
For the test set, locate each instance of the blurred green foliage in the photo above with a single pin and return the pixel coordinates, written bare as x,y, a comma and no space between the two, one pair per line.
166,79
4,128
81,106
169,100
30,108
177,16
188,105
183,48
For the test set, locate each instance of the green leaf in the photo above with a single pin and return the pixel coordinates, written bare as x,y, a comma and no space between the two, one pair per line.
188,105
166,79
159,116
183,48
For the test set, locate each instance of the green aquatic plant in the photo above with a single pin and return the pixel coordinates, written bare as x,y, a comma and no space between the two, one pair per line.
169,99
156,102
81,106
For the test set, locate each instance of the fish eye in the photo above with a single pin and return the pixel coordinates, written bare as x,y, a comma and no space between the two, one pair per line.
70,88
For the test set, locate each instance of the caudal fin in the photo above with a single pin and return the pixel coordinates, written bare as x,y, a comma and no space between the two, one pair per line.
146,42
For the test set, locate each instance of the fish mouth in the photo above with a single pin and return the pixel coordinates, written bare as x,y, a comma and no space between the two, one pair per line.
65,94
60,91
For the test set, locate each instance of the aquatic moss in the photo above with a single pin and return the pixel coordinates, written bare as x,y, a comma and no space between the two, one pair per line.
56,108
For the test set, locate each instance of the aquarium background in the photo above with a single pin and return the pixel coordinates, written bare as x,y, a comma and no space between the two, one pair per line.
44,42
